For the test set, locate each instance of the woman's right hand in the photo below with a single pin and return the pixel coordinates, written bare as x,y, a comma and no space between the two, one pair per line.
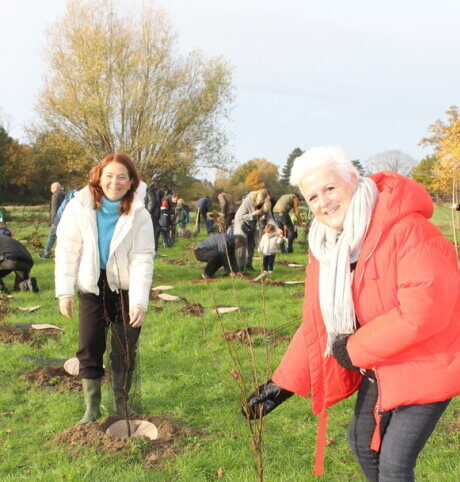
66,306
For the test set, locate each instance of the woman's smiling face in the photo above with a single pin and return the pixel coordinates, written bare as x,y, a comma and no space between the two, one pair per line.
328,196
115,181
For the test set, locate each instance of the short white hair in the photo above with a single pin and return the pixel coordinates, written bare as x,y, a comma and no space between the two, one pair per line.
331,157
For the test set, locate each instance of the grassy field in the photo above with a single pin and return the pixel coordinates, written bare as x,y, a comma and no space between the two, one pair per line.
185,369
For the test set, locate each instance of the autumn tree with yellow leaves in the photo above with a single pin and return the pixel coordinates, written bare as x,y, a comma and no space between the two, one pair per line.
445,138
116,83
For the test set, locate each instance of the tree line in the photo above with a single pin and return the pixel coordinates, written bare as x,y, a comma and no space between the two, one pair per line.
116,82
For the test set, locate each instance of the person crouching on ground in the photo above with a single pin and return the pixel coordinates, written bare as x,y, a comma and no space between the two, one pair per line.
381,314
15,257
105,247
218,250
268,246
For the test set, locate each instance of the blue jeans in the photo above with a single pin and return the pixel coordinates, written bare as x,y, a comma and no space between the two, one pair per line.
51,240
404,430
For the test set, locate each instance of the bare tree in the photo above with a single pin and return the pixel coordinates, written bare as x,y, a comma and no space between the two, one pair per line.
396,161
115,83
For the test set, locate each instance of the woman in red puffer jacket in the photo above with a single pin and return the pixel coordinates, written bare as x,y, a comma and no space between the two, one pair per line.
381,314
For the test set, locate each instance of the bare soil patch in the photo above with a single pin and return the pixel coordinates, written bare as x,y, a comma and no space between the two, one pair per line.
156,309
181,261
171,436
36,338
243,335
54,378
193,309
34,240
272,282
4,308
154,295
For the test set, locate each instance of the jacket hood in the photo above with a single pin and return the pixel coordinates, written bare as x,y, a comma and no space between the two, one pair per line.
398,197
86,200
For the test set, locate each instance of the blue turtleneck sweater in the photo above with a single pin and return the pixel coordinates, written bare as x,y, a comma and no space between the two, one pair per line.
107,218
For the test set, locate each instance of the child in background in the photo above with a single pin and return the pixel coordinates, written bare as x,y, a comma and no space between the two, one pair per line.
165,224
268,246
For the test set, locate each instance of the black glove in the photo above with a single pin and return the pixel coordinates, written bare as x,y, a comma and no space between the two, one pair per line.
267,397
340,353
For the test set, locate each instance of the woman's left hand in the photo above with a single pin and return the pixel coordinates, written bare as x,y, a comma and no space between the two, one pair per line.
136,317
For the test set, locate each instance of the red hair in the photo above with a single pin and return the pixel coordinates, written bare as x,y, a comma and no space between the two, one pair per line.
95,178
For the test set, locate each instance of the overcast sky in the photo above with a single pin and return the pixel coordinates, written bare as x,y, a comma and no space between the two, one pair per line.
369,76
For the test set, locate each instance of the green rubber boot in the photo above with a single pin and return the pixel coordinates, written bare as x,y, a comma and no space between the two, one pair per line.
92,395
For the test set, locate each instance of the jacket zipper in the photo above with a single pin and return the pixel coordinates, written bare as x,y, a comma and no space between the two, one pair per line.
368,257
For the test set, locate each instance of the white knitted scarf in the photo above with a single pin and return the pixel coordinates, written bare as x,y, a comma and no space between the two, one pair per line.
335,252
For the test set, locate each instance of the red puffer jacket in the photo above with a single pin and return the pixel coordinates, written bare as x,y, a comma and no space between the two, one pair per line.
407,300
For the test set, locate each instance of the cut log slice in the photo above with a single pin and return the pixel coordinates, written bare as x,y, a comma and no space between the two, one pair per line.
166,297
162,288
137,427
28,308
45,326
72,366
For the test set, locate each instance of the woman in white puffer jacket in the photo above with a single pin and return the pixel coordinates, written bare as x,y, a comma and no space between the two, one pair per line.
105,248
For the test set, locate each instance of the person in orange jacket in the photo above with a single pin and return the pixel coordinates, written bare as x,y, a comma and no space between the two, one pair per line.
381,315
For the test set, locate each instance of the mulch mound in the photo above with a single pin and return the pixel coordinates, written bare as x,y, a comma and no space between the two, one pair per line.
36,338
34,240
170,436
54,378
243,335
283,262
153,296
271,282
4,308
194,309
298,294
156,309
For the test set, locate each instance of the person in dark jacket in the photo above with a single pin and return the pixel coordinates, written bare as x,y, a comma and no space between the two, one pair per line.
15,257
217,251
202,207
57,197
153,203
165,224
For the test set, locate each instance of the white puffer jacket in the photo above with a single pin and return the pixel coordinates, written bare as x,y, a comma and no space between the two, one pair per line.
130,262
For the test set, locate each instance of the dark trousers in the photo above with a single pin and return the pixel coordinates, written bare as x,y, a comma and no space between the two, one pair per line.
284,222
21,270
213,258
97,314
228,220
405,431
268,261
156,232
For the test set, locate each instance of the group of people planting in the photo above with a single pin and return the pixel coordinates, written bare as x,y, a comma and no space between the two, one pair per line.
381,314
